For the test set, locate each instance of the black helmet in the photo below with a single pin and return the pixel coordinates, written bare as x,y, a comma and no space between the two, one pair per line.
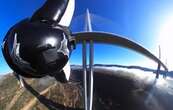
37,48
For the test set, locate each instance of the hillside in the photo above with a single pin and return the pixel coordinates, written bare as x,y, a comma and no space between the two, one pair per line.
13,97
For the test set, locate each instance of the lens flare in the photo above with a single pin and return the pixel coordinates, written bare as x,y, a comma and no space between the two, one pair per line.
165,39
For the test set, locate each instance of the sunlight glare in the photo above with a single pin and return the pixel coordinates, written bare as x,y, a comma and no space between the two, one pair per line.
165,40
51,41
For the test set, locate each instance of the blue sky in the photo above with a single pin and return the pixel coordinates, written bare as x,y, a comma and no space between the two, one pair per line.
138,20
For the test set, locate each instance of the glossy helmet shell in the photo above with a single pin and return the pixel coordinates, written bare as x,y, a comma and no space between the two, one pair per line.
36,49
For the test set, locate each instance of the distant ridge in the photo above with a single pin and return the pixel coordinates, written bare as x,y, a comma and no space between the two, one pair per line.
162,72
2,77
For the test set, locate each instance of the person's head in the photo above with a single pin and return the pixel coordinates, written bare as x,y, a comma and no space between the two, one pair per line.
39,46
